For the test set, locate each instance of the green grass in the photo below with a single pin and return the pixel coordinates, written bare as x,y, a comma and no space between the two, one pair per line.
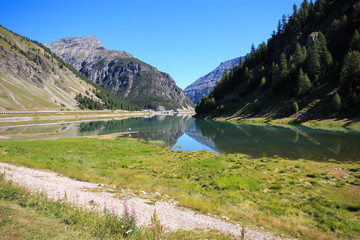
306,199
343,124
33,216
17,222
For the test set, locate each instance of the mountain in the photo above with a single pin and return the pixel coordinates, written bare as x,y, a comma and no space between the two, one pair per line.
204,85
122,74
32,78
308,69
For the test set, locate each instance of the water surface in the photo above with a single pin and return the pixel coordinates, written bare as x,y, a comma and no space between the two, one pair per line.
186,133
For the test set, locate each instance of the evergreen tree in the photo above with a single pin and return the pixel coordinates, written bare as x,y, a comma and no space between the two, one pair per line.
284,71
276,78
262,82
336,102
299,56
295,10
357,12
252,48
241,64
350,73
355,42
303,83
295,107
313,66
325,55
318,57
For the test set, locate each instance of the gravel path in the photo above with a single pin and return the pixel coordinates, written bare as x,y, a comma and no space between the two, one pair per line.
94,196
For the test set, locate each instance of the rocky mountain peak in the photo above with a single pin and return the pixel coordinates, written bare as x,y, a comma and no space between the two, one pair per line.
80,50
79,45
204,85
122,74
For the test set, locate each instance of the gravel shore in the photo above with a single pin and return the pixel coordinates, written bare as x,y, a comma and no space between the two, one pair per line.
97,196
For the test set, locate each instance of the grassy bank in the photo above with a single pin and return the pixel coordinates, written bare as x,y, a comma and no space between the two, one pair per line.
33,216
324,124
306,199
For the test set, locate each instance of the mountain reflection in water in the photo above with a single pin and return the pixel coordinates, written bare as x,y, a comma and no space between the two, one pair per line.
187,133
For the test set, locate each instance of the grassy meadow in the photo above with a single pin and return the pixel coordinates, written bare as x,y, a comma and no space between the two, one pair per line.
33,216
302,198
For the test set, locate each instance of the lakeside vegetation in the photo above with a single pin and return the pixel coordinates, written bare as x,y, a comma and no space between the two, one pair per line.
302,198
323,124
33,216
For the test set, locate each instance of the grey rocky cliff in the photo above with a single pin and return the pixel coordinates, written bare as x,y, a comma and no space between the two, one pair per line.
79,51
204,85
121,73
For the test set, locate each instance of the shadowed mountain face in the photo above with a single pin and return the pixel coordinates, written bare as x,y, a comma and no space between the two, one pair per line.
121,73
204,85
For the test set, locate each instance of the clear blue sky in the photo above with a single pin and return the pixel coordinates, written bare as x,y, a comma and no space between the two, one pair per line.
185,38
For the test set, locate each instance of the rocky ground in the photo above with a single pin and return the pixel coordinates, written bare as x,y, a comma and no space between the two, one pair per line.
98,196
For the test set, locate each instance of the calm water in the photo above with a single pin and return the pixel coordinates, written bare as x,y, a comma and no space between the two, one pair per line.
186,133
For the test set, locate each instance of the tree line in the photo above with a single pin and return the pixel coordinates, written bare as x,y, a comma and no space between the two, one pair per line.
281,68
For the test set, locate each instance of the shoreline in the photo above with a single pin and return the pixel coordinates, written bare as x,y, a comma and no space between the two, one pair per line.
329,123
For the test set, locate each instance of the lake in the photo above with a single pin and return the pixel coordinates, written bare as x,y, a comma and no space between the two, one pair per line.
187,133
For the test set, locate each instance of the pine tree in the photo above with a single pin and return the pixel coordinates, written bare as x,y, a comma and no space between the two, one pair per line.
295,107
262,82
303,83
336,102
252,47
284,71
313,66
325,55
276,78
355,42
357,12
318,57
350,73
241,64
299,56
295,10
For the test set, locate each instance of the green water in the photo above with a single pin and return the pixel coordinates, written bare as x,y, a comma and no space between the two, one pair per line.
186,133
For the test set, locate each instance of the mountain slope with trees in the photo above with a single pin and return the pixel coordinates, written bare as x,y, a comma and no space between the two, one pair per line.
204,85
308,69
121,74
33,78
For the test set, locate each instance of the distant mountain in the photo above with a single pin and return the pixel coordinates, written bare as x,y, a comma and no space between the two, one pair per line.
32,78
308,69
204,85
122,74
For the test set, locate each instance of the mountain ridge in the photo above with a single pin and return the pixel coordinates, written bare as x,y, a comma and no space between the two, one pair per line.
32,79
204,85
122,74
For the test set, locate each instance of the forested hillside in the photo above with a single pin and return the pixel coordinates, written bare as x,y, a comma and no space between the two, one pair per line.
309,68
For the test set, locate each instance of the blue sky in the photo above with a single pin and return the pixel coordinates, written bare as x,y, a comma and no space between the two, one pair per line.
185,38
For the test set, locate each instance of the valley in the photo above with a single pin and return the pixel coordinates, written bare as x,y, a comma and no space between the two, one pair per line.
98,143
